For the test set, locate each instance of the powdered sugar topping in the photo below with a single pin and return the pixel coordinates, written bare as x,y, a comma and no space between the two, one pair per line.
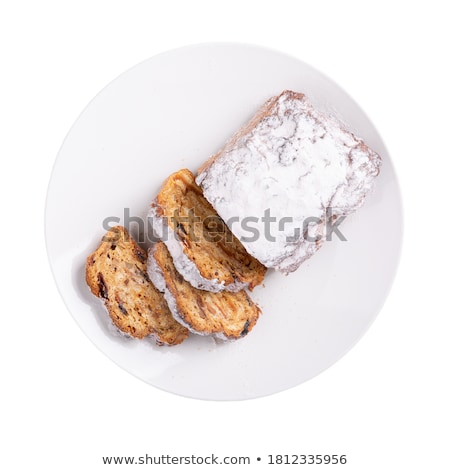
293,165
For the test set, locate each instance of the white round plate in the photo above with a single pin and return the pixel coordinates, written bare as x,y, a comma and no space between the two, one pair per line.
173,111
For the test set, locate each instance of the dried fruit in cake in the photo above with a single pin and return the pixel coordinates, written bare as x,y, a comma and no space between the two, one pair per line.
224,315
116,272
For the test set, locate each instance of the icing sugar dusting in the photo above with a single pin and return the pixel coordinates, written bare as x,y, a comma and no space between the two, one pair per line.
293,164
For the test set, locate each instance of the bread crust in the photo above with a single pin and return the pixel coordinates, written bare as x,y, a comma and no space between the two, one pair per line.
224,315
116,272
203,248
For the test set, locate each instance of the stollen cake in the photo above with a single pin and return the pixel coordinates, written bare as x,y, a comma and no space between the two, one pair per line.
116,272
287,176
204,250
224,315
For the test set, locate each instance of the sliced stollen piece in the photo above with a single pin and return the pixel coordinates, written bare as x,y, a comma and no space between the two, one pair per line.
224,315
116,272
294,171
203,248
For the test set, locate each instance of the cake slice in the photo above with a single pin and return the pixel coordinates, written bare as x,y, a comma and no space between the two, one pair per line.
225,315
204,250
116,272
295,172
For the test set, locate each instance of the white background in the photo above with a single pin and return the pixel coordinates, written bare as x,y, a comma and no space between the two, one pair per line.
385,404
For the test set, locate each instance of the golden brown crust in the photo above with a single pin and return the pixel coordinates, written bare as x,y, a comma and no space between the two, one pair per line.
116,272
205,238
229,315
